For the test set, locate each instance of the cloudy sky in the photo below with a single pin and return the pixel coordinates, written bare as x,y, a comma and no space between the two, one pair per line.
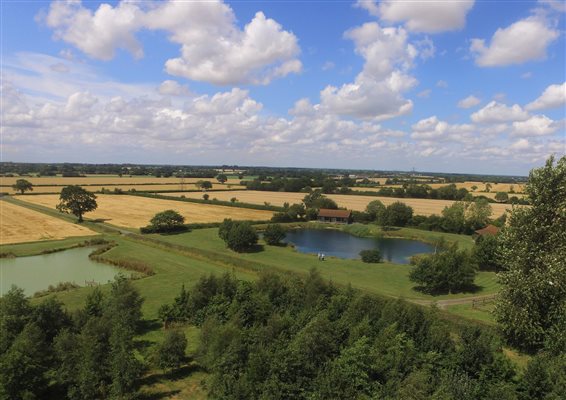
453,86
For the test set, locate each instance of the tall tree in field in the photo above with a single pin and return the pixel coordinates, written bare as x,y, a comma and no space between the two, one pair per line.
533,253
22,186
77,201
221,178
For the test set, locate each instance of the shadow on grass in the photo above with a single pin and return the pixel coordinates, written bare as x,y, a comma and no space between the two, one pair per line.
256,248
175,375
161,395
99,220
148,325
471,289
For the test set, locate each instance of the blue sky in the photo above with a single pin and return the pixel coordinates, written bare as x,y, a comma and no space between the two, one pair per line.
464,86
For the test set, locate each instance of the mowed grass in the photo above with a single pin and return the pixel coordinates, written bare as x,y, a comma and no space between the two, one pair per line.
352,202
20,224
172,270
481,312
135,211
385,278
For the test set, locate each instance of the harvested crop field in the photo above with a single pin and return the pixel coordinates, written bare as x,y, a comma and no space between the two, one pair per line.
138,188
495,187
135,212
352,202
19,224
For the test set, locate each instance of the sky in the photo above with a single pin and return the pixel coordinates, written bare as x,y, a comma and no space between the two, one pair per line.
443,86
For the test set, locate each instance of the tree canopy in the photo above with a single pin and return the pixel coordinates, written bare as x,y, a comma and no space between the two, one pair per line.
77,201
22,185
166,221
532,301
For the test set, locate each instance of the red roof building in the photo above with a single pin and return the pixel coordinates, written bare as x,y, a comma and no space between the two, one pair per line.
488,230
334,216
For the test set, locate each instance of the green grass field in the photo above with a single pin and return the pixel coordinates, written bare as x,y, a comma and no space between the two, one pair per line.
184,258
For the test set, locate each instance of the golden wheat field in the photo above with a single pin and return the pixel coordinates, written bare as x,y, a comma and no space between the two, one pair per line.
357,203
19,224
139,188
495,187
135,212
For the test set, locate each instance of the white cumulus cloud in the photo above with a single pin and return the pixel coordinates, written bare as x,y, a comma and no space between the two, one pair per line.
522,41
421,16
495,112
377,91
553,96
537,125
469,102
213,48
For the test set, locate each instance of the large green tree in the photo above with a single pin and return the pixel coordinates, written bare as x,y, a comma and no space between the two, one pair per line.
533,254
77,201
22,186
448,271
167,221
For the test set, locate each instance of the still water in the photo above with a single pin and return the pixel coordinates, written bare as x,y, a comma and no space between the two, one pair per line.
341,244
38,272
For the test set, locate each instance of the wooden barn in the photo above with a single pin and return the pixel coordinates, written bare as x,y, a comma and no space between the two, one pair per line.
335,216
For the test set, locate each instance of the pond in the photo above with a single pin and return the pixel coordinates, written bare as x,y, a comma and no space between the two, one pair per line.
36,273
336,243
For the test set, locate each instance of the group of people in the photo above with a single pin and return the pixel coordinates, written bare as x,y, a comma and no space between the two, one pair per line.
320,256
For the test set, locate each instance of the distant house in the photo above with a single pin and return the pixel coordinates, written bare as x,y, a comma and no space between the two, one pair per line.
335,216
488,230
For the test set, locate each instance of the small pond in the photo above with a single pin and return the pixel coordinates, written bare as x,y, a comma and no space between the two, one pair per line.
36,273
335,243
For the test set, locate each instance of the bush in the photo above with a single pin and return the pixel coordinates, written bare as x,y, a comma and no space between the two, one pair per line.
238,236
171,353
371,256
448,271
274,234
165,221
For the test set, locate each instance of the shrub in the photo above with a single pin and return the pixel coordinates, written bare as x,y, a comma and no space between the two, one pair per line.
165,221
274,234
371,256
205,196
171,353
238,236
447,271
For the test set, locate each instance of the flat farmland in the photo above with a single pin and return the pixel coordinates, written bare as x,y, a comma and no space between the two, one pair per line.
490,195
135,212
139,188
495,187
19,224
352,202
103,180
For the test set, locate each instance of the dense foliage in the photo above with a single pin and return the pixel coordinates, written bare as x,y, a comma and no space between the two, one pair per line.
532,302
370,256
238,235
274,234
22,186
165,222
447,271
47,353
283,337
77,201
170,354
486,253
